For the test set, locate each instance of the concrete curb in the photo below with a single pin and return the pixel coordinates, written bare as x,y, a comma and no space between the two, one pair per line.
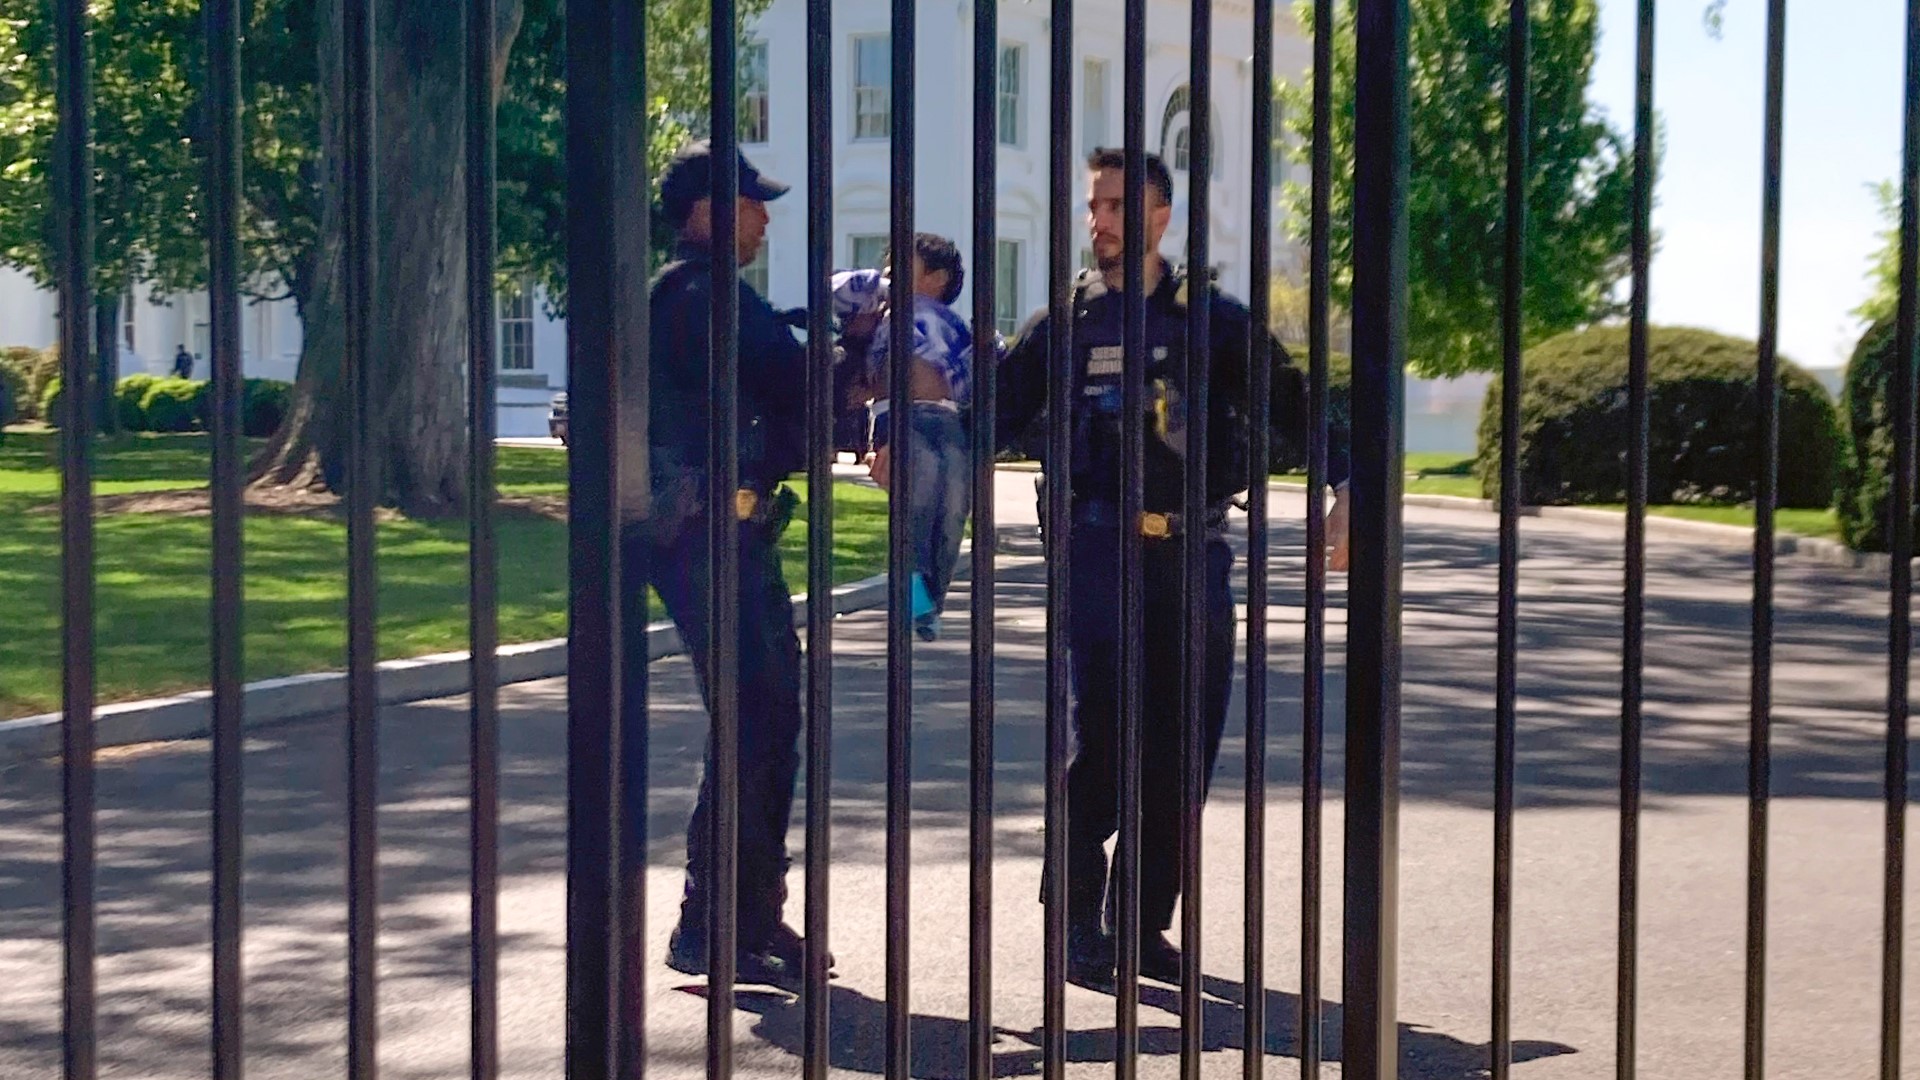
1810,548
420,678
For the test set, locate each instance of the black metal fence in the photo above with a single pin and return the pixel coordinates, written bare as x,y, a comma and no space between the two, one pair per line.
608,364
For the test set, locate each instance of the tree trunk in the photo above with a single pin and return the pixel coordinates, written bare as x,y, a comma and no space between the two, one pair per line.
106,359
419,318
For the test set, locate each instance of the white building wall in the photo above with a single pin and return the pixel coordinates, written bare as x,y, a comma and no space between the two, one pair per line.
944,175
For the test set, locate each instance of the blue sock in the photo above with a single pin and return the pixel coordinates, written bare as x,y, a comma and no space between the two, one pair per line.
922,598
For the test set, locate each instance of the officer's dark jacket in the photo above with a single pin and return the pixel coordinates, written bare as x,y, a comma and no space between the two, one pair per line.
1097,387
772,371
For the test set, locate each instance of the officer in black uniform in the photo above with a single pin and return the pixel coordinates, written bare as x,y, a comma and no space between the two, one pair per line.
1098,532
673,541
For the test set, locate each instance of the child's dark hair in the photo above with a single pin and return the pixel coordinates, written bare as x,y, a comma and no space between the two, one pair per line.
1113,157
939,253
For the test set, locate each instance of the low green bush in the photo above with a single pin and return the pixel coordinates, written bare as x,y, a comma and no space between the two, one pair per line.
1703,437
172,405
50,402
130,397
27,372
1864,502
265,407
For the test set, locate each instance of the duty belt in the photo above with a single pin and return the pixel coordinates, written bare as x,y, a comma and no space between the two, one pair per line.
1152,524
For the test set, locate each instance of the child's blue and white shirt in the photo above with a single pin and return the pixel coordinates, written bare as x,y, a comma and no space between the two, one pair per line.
940,337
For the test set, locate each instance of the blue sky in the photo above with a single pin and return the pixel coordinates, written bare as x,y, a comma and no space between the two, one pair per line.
1845,65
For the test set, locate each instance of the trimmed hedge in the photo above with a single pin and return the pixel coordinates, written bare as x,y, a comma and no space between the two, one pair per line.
130,398
265,407
1863,502
172,405
1703,437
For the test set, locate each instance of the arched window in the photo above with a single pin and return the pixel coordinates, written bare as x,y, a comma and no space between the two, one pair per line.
1174,146
1176,131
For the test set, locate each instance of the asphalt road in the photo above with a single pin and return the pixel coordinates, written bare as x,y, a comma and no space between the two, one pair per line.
1825,887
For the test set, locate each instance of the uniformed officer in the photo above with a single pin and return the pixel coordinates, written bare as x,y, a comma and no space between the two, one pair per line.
673,539
1097,532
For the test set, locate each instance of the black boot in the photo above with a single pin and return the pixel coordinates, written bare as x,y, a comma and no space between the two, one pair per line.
1089,958
1159,959
775,964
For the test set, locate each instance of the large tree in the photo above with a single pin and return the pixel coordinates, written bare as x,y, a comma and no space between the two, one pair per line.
148,64
421,344
146,217
1580,182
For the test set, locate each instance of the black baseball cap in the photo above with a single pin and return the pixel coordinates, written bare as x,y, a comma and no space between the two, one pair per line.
688,178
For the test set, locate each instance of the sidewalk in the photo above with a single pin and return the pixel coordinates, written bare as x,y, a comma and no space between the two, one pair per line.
1825,888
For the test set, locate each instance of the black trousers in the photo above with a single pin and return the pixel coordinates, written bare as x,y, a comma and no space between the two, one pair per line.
1093,789
769,712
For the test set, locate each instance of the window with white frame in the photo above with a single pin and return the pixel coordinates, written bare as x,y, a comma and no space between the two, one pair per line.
126,321
866,251
1013,74
1008,263
753,92
1094,122
516,329
872,86
755,272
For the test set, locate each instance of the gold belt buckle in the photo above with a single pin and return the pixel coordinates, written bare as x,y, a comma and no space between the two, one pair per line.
1155,526
745,501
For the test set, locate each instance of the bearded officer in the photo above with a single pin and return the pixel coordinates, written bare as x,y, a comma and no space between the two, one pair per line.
1097,532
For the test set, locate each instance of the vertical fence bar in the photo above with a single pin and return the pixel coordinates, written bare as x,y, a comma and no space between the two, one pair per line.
1253,1013
899,644
1058,474
1370,1040
1193,538
222,26
603,43
1634,598
723,540
363,489
1759,747
986,167
1507,615
816,1042
1900,575
1314,686
483,597
73,199
1133,339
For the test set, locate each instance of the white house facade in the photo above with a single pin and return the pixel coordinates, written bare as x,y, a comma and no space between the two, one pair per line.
533,346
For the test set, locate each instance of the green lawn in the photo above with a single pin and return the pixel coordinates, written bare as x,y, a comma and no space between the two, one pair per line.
152,586
1451,474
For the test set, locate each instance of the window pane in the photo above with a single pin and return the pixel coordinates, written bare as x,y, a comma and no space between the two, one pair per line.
868,251
1093,96
1010,78
1006,300
753,92
516,329
872,86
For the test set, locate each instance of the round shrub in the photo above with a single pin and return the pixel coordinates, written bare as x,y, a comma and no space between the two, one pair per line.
265,406
1864,501
130,397
1703,431
172,405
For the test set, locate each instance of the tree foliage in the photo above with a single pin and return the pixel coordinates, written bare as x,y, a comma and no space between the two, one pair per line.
1579,195
147,59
